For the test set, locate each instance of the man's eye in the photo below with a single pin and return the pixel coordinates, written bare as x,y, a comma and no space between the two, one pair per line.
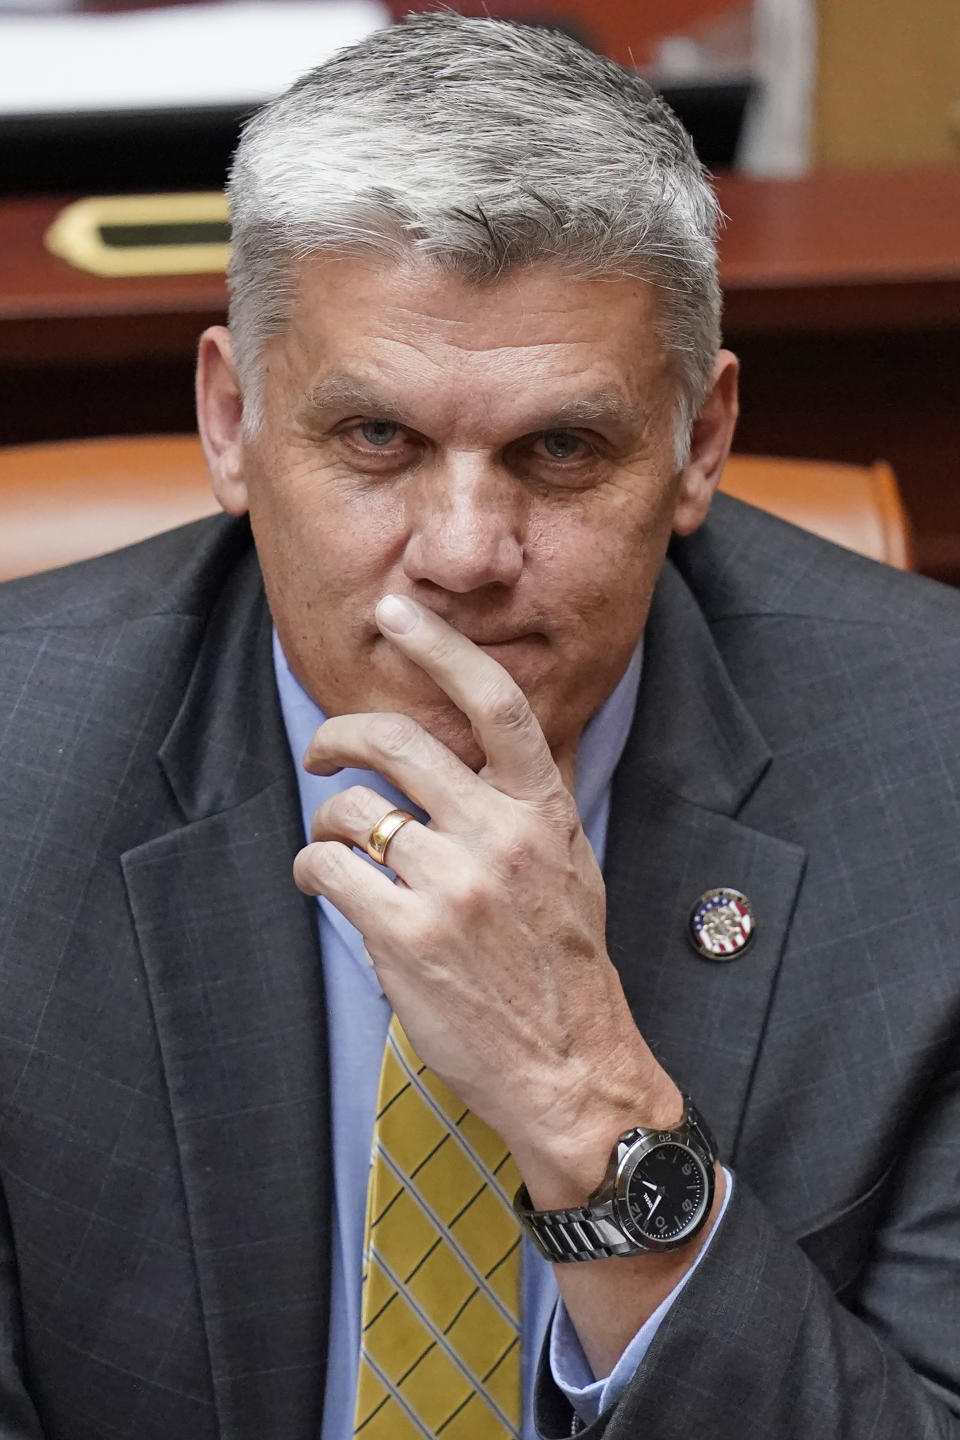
379,432
561,445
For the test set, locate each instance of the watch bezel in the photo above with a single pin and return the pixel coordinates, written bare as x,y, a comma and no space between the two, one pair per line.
628,1163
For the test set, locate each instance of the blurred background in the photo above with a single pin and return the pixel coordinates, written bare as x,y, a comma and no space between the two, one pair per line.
832,128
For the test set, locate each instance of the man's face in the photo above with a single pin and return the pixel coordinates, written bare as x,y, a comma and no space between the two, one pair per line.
503,454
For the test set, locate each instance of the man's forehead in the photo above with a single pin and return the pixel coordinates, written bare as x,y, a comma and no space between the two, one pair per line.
540,345
537,309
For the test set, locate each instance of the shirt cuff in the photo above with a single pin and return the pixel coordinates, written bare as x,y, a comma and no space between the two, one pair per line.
569,1366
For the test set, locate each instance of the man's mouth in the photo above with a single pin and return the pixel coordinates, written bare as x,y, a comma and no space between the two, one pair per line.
492,639
488,642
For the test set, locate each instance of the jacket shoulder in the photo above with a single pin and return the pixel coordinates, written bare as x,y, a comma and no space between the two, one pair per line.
95,659
178,572
745,562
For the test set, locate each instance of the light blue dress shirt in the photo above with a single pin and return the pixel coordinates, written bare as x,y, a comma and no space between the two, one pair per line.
358,1016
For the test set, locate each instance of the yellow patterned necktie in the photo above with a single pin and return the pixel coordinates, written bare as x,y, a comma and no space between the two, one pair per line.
440,1317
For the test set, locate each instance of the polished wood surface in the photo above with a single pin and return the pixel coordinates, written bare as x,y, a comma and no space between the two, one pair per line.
842,251
72,499
51,313
842,298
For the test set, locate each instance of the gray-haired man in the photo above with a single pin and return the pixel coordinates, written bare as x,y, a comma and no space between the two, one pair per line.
672,842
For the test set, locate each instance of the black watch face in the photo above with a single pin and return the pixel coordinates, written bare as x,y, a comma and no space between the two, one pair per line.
667,1192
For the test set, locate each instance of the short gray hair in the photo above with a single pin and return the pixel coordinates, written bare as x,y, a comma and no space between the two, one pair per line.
475,146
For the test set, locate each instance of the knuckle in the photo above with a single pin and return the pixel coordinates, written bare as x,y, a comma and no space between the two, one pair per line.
514,849
334,860
443,647
353,808
561,809
515,859
346,813
467,891
505,705
394,734
316,865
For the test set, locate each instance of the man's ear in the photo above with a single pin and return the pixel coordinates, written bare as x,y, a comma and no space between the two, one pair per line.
220,418
709,446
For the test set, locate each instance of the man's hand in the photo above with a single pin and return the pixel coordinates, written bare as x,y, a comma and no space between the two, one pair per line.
491,950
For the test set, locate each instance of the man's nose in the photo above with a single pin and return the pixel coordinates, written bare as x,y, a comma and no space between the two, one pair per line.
465,522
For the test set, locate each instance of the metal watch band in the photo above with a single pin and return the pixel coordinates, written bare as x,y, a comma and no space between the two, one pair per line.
591,1231
578,1234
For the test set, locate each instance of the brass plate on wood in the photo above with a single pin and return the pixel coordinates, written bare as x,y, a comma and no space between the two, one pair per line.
116,235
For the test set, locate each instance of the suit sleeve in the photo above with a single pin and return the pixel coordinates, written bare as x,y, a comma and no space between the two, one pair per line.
758,1345
18,1418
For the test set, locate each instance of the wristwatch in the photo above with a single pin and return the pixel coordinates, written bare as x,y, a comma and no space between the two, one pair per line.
656,1195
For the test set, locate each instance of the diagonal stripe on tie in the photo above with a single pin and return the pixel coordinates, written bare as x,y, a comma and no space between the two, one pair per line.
440,1313
476,1383
420,1077
454,1243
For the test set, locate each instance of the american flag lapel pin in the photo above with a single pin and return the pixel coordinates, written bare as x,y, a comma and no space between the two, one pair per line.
722,924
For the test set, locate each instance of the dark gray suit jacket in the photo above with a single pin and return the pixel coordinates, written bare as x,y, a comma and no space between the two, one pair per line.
164,1150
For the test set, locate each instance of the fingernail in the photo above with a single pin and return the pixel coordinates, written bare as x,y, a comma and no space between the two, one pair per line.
397,614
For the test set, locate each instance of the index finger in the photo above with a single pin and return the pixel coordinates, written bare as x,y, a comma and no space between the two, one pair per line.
505,726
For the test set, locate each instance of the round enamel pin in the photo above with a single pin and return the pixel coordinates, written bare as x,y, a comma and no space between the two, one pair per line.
722,924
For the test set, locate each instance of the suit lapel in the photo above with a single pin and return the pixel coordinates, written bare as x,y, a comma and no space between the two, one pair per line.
693,757
230,954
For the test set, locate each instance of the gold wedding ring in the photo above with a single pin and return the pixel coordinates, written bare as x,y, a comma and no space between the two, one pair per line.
384,831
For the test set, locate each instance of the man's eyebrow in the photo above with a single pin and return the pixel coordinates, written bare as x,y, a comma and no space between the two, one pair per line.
346,392
605,406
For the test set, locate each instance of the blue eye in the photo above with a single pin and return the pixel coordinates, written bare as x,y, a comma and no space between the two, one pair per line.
561,445
378,432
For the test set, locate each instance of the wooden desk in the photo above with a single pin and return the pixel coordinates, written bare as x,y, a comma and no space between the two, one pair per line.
842,252
842,300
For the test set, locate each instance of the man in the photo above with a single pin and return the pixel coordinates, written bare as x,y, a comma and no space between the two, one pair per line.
472,386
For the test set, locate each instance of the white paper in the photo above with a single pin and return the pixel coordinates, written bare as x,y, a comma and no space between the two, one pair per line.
234,53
